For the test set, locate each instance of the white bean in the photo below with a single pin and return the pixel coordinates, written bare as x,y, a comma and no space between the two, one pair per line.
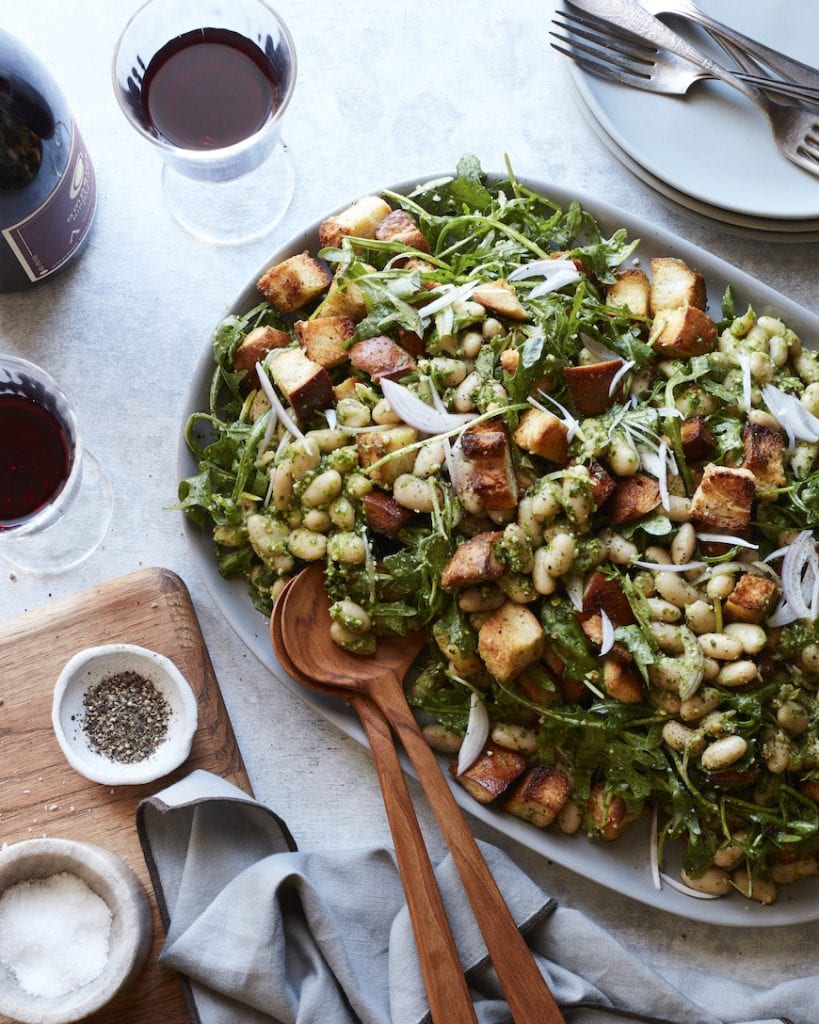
352,413
679,508
544,582
810,399
464,397
317,520
682,739
663,611
683,545
546,501
793,718
737,673
714,881
491,327
618,549
720,646
560,552
348,548
700,617
723,753
327,439
352,616
342,513
710,668
719,587
302,459
515,737
282,486
759,889
322,488
306,545
623,457
429,459
442,739
480,599
471,343
527,521
668,637
413,493
777,753
752,637
448,372
788,872
383,413
810,659
654,553
675,590
731,852
701,704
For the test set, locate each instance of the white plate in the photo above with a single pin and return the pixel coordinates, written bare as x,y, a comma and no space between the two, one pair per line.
713,144
623,865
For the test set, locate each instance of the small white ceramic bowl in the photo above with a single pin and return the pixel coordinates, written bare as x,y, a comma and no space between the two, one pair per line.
131,931
91,666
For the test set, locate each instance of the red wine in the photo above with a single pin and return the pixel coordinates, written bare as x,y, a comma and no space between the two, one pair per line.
48,193
209,89
34,459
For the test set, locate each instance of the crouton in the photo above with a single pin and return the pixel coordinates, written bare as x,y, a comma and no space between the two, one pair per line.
409,340
622,681
810,788
345,298
292,284
346,388
360,219
683,332
398,226
697,438
489,470
608,812
631,289
474,562
373,445
325,339
500,298
254,347
633,497
751,599
510,640
539,796
510,360
674,285
381,357
589,386
604,593
305,384
492,773
764,455
602,483
722,502
384,515
543,434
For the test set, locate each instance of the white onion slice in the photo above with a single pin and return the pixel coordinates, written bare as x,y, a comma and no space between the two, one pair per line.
417,413
574,590
552,284
331,417
543,268
791,415
654,852
783,616
726,538
608,633
598,350
662,476
687,890
775,554
660,567
454,294
745,365
794,565
571,424
275,401
477,733
669,410
615,380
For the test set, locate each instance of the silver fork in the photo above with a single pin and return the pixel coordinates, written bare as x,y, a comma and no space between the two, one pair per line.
600,48
790,69
795,129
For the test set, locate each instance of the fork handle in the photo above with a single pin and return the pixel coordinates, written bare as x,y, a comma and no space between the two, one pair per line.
524,987
631,16
447,990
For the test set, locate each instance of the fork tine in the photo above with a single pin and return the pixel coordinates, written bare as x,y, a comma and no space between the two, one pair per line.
603,69
608,58
607,33
609,47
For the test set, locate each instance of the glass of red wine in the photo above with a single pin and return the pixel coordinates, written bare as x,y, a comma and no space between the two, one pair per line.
208,83
55,498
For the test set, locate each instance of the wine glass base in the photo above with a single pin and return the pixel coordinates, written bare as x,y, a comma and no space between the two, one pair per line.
74,536
236,211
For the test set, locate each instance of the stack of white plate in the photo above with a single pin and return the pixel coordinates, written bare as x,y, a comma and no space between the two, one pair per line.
711,151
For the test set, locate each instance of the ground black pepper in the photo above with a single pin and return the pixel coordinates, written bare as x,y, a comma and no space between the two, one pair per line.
126,717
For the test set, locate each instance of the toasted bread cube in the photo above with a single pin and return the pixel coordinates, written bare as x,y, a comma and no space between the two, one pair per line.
674,285
325,339
359,219
723,500
622,681
631,289
292,284
608,813
510,640
764,455
374,445
500,298
398,226
510,360
410,341
539,796
604,593
543,434
491,475
305,384
474,562
589,386
384,515
683,332
697,438
751,599
345,298
492,773
254,347
381,357
810,789
634,496
603,485
346,389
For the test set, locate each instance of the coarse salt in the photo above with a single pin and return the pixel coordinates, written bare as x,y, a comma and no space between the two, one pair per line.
54,934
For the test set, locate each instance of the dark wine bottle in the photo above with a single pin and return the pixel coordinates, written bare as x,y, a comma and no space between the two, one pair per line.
48,190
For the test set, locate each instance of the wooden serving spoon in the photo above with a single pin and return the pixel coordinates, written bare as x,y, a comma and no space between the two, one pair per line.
305,614
447,990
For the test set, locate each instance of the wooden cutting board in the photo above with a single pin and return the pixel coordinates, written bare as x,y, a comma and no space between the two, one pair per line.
41,795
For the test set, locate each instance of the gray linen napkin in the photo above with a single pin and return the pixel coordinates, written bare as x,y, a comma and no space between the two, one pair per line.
265,934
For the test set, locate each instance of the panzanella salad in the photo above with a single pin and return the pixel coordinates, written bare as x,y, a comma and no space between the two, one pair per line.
489,421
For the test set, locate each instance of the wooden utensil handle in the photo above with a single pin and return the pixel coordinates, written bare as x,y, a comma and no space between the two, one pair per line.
447,991
525,989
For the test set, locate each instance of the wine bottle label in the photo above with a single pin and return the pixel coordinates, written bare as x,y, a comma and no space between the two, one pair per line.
49,237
